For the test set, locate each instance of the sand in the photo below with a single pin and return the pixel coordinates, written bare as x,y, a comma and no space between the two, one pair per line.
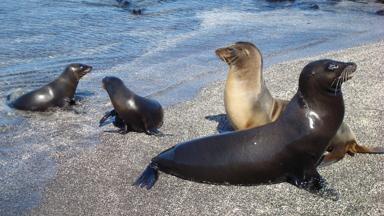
97,181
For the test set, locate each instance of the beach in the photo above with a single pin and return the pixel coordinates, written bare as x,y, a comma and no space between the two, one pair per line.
98,180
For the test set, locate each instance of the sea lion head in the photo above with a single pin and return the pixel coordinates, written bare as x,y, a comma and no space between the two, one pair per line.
113,85
327,75
78,70
240,54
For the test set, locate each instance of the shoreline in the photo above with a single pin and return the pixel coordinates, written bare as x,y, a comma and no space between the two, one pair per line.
98,180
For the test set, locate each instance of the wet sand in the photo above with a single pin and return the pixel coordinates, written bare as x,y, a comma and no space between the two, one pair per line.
97,181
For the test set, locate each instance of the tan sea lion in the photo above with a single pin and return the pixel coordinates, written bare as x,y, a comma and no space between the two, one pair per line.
287,150
249,103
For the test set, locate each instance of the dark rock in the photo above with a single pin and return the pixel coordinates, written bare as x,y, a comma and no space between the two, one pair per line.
280,1
123,3
137,11
380,12
314,7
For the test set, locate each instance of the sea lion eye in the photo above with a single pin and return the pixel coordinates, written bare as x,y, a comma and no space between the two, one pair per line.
333,67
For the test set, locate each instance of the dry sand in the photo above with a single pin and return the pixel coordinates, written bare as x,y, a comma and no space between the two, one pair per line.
98,180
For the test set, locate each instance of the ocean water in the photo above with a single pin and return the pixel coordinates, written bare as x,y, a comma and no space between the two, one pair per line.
166,53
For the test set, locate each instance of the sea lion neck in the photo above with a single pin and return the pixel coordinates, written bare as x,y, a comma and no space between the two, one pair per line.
119,91
68,79
315,95
248,71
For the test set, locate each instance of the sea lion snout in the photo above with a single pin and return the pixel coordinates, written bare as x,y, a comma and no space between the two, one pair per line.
350,70
88,69
79,70
225,53
85,69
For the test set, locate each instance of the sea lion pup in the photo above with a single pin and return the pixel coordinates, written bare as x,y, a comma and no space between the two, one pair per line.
248,102
58,93
132,112
287,150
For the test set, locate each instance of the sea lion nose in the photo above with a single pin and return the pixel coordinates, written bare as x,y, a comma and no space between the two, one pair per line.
351,67
224,52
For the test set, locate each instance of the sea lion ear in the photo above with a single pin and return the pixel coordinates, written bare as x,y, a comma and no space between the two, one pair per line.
332,67
246,51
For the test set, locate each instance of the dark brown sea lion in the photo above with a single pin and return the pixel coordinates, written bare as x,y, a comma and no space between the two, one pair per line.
287,150
132,112
249,103
58,93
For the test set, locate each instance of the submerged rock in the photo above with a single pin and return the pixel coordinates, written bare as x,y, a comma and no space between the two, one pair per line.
380,12
137,11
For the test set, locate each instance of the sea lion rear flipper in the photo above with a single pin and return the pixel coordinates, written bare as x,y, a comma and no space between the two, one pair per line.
315,184
106,116
353,148
148,178
340,150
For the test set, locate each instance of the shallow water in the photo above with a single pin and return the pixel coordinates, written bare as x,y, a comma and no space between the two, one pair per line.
166,53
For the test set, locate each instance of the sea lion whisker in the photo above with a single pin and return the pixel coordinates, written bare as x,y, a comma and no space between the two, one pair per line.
337,85
342,78
333,82
233,60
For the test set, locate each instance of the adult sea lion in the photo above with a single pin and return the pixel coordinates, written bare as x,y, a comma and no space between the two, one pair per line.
58,93
132,112
287,150
248,102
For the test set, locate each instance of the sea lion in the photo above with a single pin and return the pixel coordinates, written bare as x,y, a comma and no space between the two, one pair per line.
287,150
58,93
132,112
248,102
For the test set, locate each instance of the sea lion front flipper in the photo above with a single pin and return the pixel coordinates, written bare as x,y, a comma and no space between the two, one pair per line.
106,116
67,102
71,101
314,183
64,103
124,129
156,132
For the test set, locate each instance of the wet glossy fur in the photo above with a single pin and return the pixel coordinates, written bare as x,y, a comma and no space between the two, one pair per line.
287,150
